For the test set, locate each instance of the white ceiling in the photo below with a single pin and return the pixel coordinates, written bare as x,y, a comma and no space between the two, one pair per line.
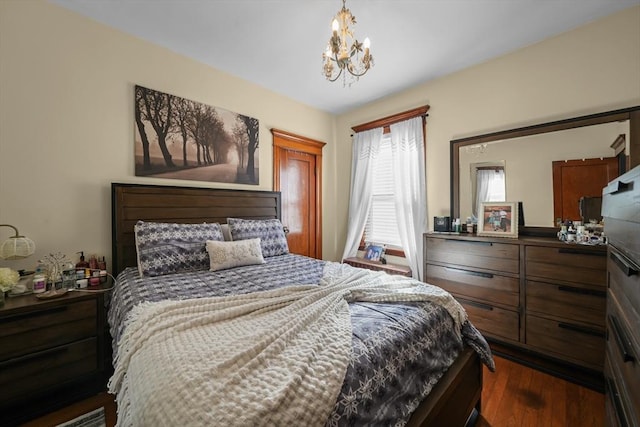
278,44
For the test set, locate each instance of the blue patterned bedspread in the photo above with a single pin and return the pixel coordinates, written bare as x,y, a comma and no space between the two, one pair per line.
399,351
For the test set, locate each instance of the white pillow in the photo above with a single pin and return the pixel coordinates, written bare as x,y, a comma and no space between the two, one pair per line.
223,255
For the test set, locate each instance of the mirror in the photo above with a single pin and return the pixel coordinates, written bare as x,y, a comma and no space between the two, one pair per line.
527,155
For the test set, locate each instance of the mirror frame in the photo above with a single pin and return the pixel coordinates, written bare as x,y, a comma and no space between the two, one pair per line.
632,114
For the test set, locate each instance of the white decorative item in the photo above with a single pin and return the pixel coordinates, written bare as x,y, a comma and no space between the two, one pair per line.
55,264
8,279
16,247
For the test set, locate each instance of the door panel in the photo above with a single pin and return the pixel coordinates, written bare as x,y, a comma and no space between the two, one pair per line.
297,174
573,179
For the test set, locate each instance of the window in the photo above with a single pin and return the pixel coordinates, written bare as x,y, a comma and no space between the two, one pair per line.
489,185
381,227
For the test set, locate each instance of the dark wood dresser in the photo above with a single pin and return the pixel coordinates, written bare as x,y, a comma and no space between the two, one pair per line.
621,212
538,295
52,353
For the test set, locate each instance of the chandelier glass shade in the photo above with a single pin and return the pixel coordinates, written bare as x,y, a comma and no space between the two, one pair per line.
16,247
345,55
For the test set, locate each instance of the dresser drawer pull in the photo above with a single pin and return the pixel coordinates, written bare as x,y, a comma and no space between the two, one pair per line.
581,329
478,304
571,289
472,273
623,265
612,391
623,343
33,356
618,187
33,314
472,242
580,252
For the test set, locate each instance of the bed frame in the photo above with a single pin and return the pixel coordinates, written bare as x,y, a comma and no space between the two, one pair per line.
454,401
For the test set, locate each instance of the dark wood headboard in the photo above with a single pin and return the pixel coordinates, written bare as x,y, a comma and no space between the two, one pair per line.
133,202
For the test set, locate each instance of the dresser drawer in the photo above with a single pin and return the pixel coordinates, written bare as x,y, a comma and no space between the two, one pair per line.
49,327
489,287
493,321
22,376
578,303
580,344
571,263
620,406
623,349
624,283
486,255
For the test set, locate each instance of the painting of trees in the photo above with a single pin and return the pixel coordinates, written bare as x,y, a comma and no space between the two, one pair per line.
182,139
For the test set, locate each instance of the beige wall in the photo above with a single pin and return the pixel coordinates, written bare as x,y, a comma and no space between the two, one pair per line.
590,69
66,123
66,126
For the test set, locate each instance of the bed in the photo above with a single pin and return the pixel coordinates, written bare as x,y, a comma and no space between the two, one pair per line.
398,385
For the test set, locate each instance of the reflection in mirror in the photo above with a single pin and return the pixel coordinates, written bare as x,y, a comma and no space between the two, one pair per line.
487,184
530,160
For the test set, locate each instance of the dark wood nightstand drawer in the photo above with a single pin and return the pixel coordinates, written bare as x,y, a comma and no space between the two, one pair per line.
481,254
578,343
491,320
28,374
576,302
489,287
48,327
573,263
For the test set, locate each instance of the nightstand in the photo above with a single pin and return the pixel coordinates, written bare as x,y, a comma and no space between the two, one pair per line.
401,270
52,353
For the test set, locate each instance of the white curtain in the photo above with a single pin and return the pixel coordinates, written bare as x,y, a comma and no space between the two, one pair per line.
407,150
366,145
489,187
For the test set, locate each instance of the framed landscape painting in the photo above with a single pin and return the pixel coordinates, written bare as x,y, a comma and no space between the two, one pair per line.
498,219
177,138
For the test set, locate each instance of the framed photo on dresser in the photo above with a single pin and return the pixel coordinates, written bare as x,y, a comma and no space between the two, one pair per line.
374,252
498,219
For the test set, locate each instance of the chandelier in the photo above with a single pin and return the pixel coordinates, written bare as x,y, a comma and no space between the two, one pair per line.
344,53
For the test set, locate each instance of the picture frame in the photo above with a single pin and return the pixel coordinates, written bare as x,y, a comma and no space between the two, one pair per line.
374,252
498,219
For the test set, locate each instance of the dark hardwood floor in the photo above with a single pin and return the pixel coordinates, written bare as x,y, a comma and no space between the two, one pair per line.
515,395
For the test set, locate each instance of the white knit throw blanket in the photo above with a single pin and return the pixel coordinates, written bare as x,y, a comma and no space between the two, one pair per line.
264,359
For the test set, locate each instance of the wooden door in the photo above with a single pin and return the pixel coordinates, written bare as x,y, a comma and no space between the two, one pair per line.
573,179
297,174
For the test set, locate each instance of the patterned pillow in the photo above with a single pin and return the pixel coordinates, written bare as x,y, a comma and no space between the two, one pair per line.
223,255
270,231
165,248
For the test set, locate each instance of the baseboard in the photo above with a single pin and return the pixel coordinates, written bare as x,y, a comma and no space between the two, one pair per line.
588,378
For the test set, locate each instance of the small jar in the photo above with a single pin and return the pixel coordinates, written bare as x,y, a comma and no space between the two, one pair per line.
39,283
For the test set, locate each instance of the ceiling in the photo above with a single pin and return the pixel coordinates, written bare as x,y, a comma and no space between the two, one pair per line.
278,44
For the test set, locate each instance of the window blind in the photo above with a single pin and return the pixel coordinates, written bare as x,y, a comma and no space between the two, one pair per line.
381,227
